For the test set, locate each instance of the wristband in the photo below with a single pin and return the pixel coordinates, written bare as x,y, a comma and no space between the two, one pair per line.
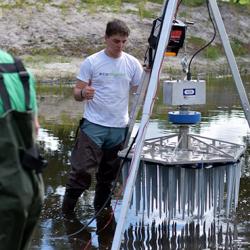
83,93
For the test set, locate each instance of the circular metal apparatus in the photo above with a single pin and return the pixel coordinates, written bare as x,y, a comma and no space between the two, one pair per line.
184,148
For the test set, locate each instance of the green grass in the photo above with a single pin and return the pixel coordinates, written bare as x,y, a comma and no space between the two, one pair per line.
196,41
130,1
193,3
54,89
45,58
92,4
143,12
240,1
213,52
239,48
137,1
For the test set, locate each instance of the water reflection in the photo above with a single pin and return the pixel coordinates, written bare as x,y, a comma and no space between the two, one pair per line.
57,233
182,208
191,236
49,142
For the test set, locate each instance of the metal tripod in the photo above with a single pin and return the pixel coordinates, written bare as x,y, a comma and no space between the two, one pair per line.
170,7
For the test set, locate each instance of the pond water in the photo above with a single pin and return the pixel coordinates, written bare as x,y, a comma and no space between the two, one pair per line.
172,207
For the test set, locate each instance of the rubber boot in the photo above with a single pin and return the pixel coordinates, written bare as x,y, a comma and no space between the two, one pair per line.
69,202
105,227
102,196
77,235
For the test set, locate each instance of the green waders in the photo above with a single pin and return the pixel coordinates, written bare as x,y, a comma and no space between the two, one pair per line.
21,186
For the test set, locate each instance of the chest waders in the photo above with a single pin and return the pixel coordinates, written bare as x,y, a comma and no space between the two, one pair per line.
21,186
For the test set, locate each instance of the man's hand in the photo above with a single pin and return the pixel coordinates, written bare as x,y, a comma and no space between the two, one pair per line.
87,92
83,91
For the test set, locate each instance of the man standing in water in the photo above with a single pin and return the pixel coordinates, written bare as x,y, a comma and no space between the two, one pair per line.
104,82
21,186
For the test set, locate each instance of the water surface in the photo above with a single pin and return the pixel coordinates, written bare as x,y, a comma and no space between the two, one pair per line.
172,207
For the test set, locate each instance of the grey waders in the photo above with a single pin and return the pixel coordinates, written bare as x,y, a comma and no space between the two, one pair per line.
21,186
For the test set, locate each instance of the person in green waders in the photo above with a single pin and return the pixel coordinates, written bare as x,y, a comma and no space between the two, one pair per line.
21,185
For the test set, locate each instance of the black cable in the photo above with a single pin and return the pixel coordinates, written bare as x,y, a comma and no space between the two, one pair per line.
111,193
198,51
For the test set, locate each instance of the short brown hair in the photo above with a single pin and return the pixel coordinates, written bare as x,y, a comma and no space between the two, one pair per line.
117,27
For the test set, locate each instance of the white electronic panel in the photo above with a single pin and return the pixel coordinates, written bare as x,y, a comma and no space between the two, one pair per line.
184,92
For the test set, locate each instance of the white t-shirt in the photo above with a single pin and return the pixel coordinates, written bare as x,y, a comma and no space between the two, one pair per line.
111,78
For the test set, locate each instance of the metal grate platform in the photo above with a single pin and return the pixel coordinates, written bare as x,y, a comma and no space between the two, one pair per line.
188,149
